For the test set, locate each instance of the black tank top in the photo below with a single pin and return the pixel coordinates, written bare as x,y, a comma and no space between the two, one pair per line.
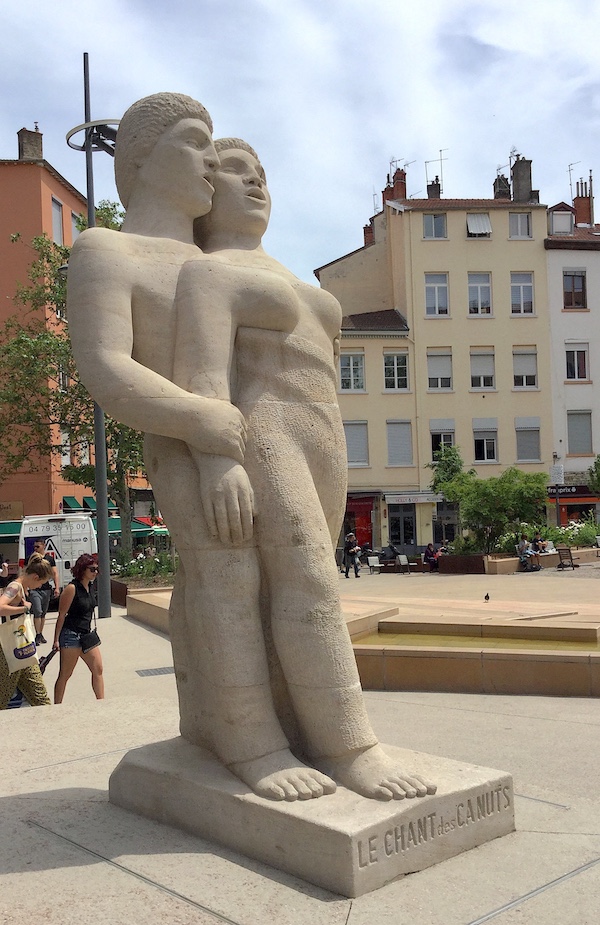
79,614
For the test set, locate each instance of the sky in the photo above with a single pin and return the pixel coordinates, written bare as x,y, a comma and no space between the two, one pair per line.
329,93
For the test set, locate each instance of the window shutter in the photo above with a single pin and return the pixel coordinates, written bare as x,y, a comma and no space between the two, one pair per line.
357,443
399,439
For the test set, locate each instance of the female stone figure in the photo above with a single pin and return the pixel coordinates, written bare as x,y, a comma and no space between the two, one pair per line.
250,332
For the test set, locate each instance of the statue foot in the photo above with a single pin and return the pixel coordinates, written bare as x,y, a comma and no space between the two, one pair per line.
280,776
372,774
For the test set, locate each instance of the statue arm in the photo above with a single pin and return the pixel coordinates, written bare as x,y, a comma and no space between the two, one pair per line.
100,292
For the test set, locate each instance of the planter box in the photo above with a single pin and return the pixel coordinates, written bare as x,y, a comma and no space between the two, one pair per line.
462,565
118,592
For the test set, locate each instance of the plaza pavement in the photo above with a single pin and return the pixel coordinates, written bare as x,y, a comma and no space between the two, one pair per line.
68,856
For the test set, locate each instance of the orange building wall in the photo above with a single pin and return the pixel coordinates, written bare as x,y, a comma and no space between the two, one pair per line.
26,192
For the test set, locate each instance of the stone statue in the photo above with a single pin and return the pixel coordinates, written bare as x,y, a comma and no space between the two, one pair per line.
227,362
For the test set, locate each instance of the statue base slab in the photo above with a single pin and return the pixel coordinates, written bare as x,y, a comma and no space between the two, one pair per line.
343,842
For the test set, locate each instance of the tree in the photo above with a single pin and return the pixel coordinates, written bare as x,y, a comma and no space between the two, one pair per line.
491,507
447,464
43,403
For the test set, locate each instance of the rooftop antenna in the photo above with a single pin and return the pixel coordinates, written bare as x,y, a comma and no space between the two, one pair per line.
501,167
570,172
375,197
513,156
439,159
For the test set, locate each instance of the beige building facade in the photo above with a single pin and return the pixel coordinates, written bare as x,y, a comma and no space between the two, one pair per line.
470,367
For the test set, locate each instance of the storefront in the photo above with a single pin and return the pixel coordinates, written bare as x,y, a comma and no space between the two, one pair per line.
575,502
410,518
362,516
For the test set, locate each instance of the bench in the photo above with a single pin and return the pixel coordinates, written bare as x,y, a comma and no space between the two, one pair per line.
565,558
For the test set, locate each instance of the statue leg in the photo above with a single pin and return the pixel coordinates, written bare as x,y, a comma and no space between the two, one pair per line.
218,647
309,629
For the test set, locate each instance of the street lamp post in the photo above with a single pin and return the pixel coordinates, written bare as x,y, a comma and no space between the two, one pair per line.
99,136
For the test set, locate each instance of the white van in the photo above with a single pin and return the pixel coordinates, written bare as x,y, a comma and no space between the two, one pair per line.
66,537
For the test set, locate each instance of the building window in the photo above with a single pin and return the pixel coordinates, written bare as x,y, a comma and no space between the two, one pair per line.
485,439
440,440
439,370
478,225
561,222
395,372
442,434
434,226
577,362
521,293
75,232
574,294
62,379
436,294
519,224
352,372
480,294
485,447
357,443
525,367
399,443
482,368
527,432
57,222
65,448
579,433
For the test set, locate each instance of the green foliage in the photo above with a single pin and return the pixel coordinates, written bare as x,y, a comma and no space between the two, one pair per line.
576,533
42,400
492,507
447,465
144,566
108,215
593,477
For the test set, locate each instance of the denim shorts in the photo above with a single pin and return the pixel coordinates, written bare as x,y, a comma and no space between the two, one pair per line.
69,639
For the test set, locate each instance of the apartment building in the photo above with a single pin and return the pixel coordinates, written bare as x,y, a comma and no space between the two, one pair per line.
471,366
573,256
35,199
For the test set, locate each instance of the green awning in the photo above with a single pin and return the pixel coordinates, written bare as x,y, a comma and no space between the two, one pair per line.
70,503
114,526
10,529
160,531
89,503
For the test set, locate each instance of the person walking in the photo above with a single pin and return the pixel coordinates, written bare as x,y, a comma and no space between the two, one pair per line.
351,554
75,611
41,597
13,604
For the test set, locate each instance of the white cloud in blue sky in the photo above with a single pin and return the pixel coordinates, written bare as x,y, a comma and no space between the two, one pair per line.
327,91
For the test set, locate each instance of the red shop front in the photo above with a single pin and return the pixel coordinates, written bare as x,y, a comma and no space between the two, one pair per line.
359,518
574,501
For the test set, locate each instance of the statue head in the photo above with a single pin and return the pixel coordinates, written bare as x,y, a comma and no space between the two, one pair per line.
241,203
141,127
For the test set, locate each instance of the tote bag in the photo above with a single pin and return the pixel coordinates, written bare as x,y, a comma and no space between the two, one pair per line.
17,638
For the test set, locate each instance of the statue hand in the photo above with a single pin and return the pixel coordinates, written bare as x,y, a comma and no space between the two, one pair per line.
227,498
224,431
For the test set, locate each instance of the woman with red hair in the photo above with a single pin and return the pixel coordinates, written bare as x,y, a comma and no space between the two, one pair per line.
75,610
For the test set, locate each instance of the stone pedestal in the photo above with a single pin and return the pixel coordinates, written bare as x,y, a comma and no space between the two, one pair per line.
342,842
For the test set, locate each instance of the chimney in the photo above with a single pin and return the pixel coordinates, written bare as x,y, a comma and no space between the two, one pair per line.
434,189
369,233
501,187
397,188
583,203
521,180
30,144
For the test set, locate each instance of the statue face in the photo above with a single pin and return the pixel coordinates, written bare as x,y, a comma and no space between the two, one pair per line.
180,168
241,194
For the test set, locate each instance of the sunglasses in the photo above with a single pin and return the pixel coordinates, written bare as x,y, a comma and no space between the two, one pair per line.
93,568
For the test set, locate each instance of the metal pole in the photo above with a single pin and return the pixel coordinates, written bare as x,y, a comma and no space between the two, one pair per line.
557,508
104,609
